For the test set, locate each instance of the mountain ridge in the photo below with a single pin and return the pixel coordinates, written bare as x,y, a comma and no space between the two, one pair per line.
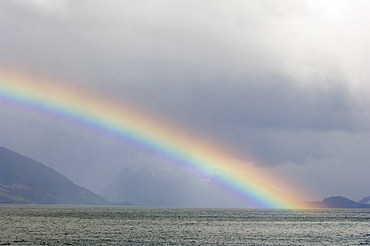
338,202
27,181
365,200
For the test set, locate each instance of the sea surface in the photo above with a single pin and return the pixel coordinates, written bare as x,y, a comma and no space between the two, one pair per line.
81,225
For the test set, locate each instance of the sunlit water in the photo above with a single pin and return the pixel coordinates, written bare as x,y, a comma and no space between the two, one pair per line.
53,225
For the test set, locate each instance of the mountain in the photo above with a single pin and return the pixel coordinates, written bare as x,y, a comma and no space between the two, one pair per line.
152,187
144,188
339,202
26,181
365,200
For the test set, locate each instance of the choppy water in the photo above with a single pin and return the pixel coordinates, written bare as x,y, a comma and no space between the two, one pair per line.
53,225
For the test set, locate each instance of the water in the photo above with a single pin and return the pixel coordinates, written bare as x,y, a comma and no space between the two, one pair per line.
54,225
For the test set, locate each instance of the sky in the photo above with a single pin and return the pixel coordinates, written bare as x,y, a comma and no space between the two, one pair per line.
282,83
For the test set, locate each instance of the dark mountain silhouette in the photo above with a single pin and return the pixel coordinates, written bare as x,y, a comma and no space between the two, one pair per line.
339,202
365,200
26,181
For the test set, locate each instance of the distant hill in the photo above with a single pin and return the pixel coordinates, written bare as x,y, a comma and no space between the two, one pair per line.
365,200
339,202
26,181
149,187
146,188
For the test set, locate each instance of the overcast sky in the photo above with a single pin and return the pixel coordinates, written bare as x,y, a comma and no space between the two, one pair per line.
282,82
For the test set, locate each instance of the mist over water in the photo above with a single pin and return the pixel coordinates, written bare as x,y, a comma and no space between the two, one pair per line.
56,225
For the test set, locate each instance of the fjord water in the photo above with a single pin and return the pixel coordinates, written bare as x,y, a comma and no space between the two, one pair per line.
64,225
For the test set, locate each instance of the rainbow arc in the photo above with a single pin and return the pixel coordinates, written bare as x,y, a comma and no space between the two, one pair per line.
100,116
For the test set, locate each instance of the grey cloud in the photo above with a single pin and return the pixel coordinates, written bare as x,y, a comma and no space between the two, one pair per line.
133,36
274,121
271,102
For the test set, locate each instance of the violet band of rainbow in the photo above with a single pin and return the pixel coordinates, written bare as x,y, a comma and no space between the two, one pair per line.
106,118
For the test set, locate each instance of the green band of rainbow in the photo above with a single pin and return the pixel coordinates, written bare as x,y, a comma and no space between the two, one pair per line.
103,117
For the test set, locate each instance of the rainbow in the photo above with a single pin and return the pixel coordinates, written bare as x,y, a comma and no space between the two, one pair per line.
87,110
